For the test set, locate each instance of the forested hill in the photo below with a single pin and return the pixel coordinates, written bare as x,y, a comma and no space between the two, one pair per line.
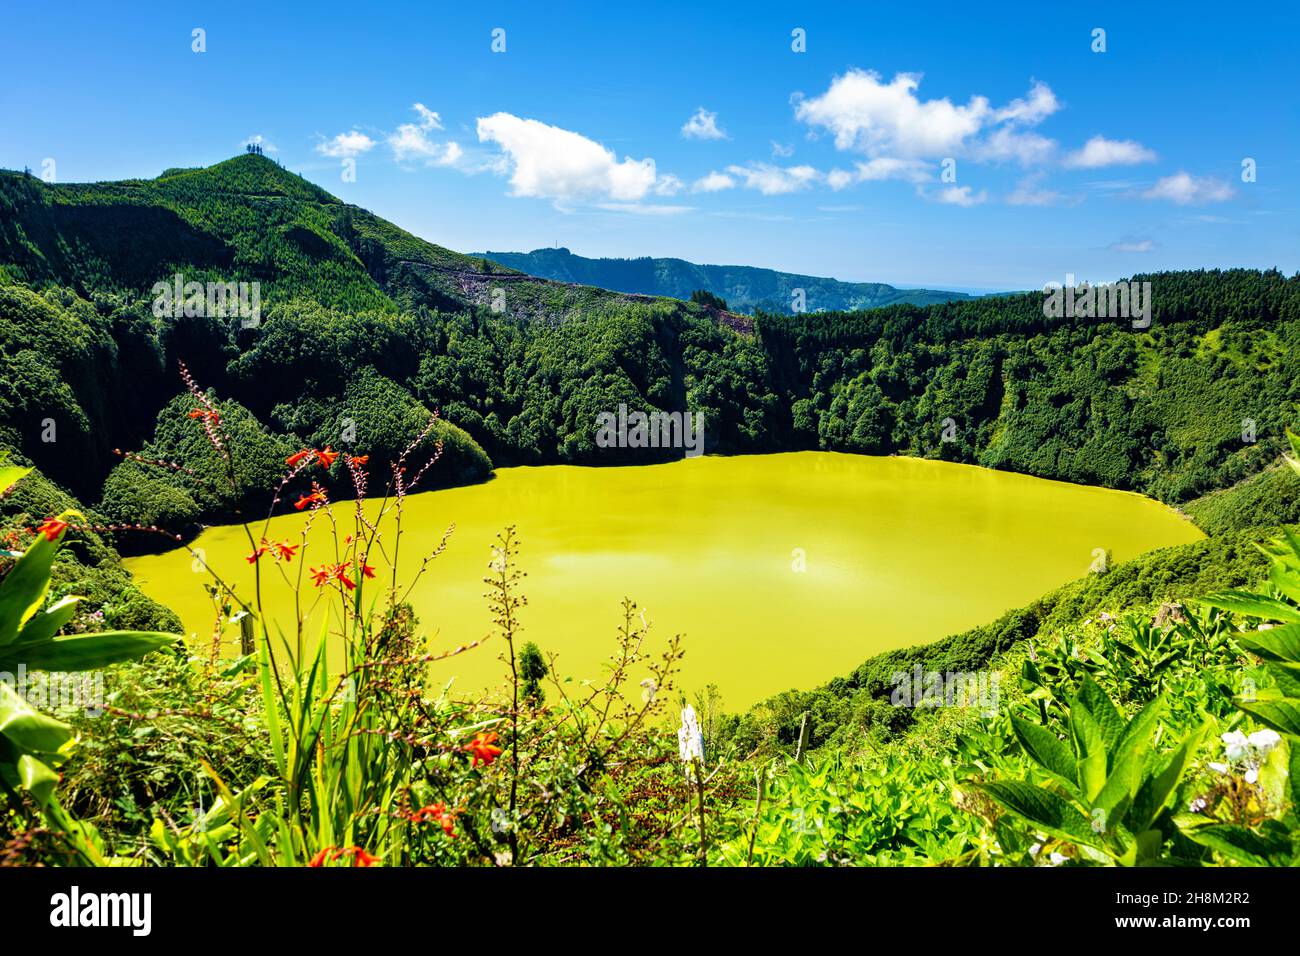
365,324
249,219
744,288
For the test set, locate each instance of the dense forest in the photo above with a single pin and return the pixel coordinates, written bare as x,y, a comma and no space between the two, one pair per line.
364,331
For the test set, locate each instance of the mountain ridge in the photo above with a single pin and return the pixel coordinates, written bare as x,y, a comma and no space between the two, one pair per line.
745,288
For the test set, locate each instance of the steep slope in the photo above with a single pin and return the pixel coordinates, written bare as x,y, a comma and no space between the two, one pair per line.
745,288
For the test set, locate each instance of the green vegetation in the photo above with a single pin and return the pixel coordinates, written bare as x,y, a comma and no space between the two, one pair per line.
1146,714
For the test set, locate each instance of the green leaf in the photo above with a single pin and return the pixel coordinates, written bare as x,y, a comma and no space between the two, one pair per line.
1091,749
1044,809
42,627
36,778
28,729
1238,843
23,588
1049,752
1103,711
1280,713
10,475
1157,791
82,652
1253,605
1276,643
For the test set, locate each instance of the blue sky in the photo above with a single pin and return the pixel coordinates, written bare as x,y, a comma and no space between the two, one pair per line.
674,131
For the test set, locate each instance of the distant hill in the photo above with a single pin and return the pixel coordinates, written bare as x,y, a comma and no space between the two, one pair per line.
745,288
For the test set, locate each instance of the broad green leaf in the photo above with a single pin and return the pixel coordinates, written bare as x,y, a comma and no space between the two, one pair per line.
36,778
1156,792
1280,713
1253,605
43,626
1043,809
81,652
1238,843
24,587
1044,747
1103,711
1091,750
1276,643
10,475
27,728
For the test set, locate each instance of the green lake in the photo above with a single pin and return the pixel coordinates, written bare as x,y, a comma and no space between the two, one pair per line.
781,571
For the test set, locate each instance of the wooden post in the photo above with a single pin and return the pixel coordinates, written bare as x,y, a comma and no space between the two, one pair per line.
803,739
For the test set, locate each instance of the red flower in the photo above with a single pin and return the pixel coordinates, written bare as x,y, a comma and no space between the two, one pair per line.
327,457
319,858
367,570
52,528
439,814
284,551
294,460
483,748
252,558
320,576
315,498
341,575
360,857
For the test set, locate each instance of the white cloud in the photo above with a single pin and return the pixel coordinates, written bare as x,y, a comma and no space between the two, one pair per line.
1028,192
257,139
1033,109
703,125
428,118
1027,149
713,183
879,169
775,180
1100,151
346,145
411,141
668,185
879,118
1132,245
781,150
552,163
1183,188
960,196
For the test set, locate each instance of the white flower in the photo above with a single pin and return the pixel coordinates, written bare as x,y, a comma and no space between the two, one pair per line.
1236,746
690,742
1252,775
1219,767
1056,859
648,690
1264,741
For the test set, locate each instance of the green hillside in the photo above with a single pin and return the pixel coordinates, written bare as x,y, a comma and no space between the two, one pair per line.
744,288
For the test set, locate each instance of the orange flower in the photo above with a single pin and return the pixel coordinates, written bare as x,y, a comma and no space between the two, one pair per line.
206,414
52,528
315,498
439,814
483,748
294,460
319,858
252,558
319,576
327,457
284,551
361,858
361,460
